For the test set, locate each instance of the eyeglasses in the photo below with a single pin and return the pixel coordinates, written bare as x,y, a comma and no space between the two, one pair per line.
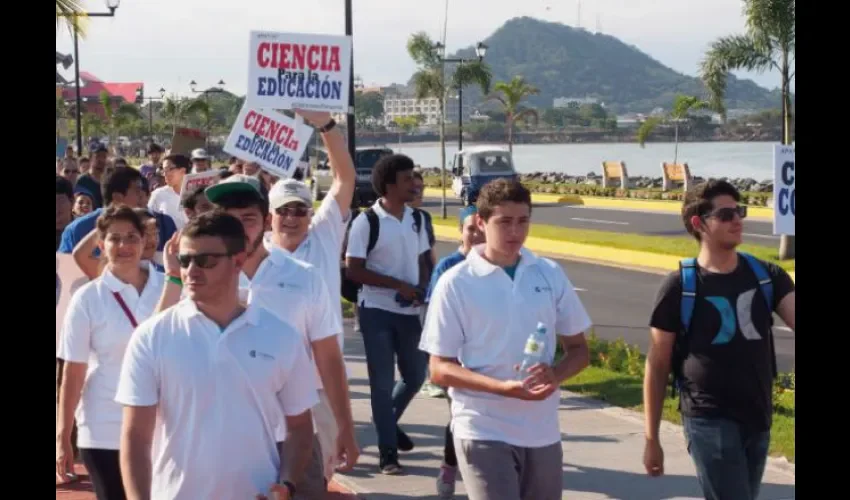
130,239
203,260
296,211
726,214
69,172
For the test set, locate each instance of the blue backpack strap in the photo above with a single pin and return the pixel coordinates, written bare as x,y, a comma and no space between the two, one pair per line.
763,277
688,272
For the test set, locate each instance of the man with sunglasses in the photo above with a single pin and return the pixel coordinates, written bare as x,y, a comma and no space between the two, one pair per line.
712,327
219,384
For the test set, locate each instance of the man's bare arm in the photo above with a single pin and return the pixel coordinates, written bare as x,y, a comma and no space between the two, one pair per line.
171,293
355,270
298,447
342,167
576,356
448,372
658,363
787,310
331,367
135,455
73,378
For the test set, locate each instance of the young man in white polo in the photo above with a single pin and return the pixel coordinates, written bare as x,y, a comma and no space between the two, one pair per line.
481,314
394,274
205,383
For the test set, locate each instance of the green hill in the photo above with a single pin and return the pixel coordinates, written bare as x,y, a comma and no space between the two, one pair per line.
568,62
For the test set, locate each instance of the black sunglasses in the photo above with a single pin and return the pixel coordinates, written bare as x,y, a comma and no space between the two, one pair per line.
726,214
296,211
203,260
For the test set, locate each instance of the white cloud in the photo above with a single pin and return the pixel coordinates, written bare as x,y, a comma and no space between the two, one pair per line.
167,43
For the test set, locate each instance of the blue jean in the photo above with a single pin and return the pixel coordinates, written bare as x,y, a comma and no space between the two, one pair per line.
729,459
388,335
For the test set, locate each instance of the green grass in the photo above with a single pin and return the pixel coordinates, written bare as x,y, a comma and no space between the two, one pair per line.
626,391
667,245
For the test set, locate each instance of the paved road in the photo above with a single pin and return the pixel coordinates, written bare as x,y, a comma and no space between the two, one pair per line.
757,232
619,302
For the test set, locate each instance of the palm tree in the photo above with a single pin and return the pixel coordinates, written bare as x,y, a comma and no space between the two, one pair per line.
682,107
179,111
510,94
430,81
117,117
769,43
70,14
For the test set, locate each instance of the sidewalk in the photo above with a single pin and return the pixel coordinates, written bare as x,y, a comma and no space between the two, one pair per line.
603,449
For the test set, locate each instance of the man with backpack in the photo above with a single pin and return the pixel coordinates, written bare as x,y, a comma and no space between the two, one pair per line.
712,329
388,253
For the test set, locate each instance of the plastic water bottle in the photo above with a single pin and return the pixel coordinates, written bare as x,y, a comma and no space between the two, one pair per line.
534,349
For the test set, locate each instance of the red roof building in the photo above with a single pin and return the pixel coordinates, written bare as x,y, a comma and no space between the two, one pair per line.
91,88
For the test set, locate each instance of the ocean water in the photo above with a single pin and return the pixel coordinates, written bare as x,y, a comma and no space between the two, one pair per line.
705,159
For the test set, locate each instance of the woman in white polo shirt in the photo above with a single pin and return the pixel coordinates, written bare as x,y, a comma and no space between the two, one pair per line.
98,325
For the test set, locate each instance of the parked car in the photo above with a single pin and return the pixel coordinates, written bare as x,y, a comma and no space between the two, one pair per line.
364,159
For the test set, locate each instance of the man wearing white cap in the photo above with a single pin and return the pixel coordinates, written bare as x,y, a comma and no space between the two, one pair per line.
200,160
316,238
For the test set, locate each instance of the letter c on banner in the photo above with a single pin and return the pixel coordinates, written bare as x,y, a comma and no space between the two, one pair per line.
263,57
788,174
249,120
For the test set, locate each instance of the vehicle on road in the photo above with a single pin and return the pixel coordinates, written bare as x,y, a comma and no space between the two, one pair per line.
475,166
320,178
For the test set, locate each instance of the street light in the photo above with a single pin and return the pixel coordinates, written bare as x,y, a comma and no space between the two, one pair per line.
212,90
349,119
112,5
440,51
140,98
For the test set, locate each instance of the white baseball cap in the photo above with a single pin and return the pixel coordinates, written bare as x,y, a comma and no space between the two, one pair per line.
200,154
287,191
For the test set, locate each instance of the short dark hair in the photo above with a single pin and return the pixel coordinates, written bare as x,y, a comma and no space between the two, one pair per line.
83,158
118,180
499,191
387,168
119,213
155,148
180,161
245,199
218,224
63,186
224,174
418,175
699,200
144,214
190,199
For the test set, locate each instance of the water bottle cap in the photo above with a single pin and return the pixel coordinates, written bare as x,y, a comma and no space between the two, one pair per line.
541,327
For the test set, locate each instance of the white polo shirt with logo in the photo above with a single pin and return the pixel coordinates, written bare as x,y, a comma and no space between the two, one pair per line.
165,200
482,317
96,331
396,254
219,394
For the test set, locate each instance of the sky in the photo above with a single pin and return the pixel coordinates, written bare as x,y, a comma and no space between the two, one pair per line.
168,43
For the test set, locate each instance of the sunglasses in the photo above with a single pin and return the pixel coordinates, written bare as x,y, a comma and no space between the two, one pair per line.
727,214
296,211
202,260
69,172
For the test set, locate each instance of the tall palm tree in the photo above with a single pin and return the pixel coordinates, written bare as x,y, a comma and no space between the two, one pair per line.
769,43
511,94
430,81
116,117
180,111
70,13
682,107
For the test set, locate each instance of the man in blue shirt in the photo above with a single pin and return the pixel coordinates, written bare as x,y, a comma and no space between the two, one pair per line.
122,186
470,236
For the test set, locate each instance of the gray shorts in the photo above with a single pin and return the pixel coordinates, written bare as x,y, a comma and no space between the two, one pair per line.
314,486
493,470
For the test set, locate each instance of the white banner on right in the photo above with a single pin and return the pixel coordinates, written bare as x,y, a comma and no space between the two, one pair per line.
784,190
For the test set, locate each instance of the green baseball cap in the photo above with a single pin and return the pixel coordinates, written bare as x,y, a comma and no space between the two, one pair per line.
238,183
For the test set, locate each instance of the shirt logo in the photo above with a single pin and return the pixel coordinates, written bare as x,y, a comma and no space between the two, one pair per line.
729,321
258,354
541,289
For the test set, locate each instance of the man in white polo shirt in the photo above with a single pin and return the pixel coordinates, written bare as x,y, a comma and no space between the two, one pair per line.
205,383
166,199
482,312
394,274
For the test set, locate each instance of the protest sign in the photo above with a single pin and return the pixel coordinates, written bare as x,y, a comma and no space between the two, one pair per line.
192,181
784,190
269,138
299,71
185,140
69,277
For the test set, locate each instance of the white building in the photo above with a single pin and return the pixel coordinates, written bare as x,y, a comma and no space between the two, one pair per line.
573,102
396,106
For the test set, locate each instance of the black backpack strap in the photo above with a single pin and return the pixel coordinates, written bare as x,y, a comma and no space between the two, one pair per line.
417,220
374,229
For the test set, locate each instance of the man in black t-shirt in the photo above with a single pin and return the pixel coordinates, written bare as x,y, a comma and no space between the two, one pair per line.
724,363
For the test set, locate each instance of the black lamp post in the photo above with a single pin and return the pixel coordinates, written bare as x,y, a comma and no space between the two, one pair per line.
206,92
349,120
480,51
112,5
141,98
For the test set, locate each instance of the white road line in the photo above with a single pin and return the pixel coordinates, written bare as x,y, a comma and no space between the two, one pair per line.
600,221
767,236
579,289
784,329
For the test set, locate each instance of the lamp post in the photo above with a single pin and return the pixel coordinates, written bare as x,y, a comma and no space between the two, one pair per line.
480,51
349,120
206,92
141,98
112,5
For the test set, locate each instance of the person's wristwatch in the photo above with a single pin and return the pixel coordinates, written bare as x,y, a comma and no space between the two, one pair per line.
289,486
327,127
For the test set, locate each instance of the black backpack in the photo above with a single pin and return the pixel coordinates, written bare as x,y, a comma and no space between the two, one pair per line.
349,289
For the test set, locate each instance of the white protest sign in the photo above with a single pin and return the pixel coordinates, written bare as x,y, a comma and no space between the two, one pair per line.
299,70
784,190
269,138
192,181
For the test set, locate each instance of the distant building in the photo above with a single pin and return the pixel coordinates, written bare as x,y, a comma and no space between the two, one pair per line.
401,105
573,102
91,88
